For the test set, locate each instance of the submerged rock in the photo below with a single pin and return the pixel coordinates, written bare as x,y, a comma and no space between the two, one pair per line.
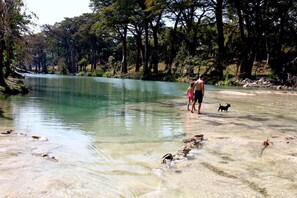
190,143
7,132
40,138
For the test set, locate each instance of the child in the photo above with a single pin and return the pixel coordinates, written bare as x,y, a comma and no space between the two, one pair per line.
190,94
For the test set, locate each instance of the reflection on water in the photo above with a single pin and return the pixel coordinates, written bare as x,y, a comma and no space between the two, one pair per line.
120,110
109,136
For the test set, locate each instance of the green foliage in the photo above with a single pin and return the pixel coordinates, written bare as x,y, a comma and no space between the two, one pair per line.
187,64
51,70
229,81
64,69
83,62
98,73
13,21
2,89
89,74
169,78
111,61
109,74
98,38
131,75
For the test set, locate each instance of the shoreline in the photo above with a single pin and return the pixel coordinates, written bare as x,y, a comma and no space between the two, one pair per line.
232,156
21,156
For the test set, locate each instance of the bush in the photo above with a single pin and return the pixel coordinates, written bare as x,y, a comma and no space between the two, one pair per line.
51,71
108,74
64,69
97,73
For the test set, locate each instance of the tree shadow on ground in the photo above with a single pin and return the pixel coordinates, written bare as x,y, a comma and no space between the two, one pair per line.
236,120
219,115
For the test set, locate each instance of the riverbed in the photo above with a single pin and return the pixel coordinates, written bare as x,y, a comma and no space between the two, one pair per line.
113,148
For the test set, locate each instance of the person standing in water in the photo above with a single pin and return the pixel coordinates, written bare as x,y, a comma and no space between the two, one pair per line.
190,94
199,93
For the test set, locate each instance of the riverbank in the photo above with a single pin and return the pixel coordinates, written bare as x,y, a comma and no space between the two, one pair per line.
235,160
260,83
25,164
239,165
14,86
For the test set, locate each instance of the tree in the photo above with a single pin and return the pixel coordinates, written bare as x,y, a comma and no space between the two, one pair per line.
282,34
12,23
218,6
113,17
156,9
263,25
136,28
62,36
151,31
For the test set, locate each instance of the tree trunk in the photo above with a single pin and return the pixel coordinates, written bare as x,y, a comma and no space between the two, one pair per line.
155,54
124,52
247,64
139,51
220,29
9,57
172,44
246,58
278,62
146,72
2,81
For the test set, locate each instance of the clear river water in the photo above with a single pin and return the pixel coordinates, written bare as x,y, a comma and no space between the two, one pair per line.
108,136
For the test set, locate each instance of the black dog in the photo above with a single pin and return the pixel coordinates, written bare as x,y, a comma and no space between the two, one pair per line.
224,108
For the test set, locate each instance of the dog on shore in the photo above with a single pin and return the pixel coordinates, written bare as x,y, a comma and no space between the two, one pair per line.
224,108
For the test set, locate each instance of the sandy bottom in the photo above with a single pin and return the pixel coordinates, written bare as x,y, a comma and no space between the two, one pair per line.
232,161
229,164
237,164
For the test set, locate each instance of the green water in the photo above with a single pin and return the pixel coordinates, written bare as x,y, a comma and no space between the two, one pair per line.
124,110
109,136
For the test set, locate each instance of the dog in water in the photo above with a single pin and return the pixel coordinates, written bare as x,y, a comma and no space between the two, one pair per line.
224,108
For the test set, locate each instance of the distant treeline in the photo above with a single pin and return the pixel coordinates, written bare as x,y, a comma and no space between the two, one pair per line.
185,36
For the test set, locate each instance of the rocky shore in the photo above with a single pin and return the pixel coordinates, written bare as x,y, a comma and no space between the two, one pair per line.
266,83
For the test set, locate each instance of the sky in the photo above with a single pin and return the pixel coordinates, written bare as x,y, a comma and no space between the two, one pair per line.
52,11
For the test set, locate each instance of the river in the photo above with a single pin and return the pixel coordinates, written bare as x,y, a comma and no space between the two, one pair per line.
106,137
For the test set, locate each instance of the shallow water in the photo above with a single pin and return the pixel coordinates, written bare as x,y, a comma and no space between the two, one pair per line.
108,136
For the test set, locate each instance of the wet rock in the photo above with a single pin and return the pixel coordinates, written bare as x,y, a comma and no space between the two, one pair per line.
186,151
167,157
265,83
7,132
52,158
40,138
190,143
